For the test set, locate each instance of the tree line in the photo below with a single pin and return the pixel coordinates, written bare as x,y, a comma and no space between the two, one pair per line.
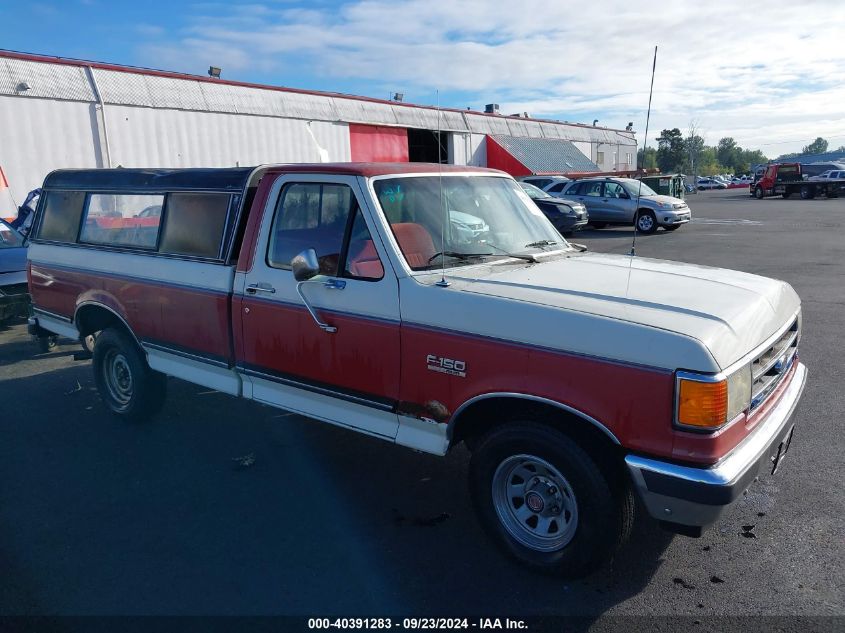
677,152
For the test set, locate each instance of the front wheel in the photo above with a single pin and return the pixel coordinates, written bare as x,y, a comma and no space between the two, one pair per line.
758,193
127,385
807,193
646,222
545,500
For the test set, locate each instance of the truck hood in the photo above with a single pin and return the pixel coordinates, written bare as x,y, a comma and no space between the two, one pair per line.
730,312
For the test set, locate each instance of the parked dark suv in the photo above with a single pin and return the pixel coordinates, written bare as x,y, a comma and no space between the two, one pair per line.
566,215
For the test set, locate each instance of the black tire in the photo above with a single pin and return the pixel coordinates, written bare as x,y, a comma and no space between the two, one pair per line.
807,193
603,502
758,193
646,222
127,385
47,343
598,225
672,227
785,195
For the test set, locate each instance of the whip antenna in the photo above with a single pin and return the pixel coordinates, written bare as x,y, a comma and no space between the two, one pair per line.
645,143
442,283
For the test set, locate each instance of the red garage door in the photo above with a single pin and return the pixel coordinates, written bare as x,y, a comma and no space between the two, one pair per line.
371,143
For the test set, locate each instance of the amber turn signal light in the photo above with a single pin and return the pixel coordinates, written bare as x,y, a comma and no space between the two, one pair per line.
702,404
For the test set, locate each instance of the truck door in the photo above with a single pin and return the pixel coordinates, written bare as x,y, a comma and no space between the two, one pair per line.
347,372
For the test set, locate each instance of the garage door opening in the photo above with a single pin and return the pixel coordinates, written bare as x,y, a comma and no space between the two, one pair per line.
423,146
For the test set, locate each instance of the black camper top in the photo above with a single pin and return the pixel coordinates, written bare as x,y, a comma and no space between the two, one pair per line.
225,179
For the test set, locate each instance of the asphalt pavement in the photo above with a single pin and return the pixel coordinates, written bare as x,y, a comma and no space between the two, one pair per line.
223,506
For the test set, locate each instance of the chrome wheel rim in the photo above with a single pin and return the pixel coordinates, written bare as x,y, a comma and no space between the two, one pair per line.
117,376
535,503
645,222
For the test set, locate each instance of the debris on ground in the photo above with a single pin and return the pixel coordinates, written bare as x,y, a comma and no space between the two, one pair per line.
716,580
748,531
77,389
706,548
244,461
683,583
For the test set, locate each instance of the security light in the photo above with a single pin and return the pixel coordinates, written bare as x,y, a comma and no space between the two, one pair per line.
594,122
398,96
214,71
23,87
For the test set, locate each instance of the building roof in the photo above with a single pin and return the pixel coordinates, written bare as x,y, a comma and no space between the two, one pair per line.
89,81
547,156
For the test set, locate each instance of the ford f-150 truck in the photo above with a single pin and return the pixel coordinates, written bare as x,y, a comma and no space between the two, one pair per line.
785,179
429,306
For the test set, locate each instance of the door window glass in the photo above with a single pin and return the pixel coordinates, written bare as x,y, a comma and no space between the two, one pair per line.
311,215
362,260
613,190
591,189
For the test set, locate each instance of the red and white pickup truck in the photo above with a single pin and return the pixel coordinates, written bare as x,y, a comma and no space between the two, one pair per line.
430,306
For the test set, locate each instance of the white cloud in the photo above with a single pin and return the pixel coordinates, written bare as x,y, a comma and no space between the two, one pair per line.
759,80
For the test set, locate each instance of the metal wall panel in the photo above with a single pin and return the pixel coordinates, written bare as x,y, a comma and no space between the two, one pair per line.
143,137
53,81
40,135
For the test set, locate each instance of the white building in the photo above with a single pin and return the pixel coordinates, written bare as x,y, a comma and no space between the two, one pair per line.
59,113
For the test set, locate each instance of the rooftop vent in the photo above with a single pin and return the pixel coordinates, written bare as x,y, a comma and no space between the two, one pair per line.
491,108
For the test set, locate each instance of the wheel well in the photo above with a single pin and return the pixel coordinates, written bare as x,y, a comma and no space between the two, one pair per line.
484,415
93,318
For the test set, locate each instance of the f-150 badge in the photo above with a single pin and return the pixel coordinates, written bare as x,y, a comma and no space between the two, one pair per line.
446,365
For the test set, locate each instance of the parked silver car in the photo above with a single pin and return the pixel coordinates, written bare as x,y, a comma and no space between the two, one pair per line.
614,201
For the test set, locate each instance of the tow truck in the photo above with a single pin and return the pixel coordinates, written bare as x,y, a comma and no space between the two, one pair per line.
785,179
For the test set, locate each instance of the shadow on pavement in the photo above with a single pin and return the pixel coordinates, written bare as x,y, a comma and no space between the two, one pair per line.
223,506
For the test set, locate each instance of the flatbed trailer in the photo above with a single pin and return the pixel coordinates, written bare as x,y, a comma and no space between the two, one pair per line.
786,179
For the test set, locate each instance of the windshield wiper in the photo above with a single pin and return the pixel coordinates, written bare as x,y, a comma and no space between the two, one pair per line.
540,243
456,255
524,256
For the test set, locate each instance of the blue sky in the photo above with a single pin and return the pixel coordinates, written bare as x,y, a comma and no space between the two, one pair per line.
771,84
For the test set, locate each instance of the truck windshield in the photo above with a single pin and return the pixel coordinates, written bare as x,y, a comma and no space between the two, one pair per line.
9,237
488,217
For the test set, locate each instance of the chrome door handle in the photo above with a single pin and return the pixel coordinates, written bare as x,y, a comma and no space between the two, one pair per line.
335,284
260,287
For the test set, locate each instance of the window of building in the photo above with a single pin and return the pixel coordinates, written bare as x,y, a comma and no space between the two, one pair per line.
194,224
599,157
61,215
122,220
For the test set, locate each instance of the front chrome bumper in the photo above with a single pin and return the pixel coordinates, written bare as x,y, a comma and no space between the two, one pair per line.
689,496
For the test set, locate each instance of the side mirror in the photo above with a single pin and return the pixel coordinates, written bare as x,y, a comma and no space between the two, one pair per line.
305,265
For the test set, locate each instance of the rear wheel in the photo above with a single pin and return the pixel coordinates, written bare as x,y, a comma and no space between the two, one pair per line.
786,195
127,385
545,501
646,222
758,192
807,192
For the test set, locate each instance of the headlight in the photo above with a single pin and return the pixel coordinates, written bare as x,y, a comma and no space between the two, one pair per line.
709,402
664,205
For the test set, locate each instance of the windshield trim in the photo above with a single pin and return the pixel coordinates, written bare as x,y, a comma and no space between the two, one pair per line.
395,251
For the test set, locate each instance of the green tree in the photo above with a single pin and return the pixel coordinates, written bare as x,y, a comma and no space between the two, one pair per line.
670,150
819,146
729,154
647,158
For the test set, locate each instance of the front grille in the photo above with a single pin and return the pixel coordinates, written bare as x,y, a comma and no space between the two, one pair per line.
769,368
14,289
